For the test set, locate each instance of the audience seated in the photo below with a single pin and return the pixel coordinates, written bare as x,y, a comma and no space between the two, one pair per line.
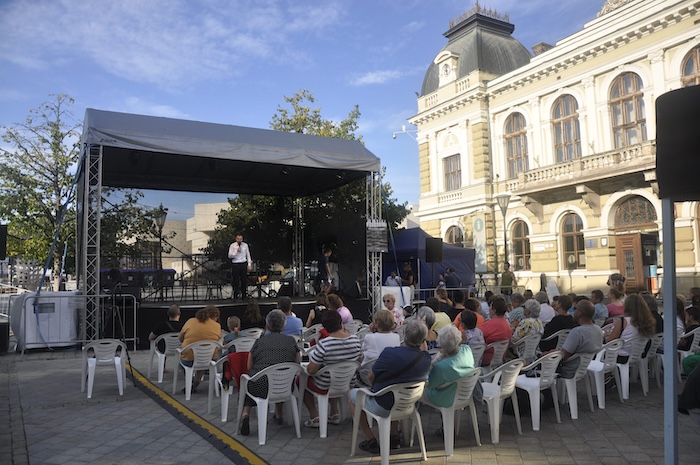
495,329
562,320
586,338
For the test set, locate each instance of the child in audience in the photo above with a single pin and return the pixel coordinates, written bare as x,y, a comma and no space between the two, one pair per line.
234,327
471,334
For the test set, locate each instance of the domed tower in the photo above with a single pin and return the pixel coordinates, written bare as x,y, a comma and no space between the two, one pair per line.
480,41
455,159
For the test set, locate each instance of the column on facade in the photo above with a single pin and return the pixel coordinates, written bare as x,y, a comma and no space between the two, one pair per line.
589,119
658,81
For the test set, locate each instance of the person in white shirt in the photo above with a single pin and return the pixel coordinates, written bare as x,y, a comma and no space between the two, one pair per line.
393,280
547,312
239,253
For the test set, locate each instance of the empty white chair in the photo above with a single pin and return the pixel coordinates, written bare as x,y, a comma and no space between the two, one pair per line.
605,362
203,353
635,346
501,387
342,375
103,352
172,342
399,330
547,379
216,385
451,415
251,332
405,397
312,333
569,384
280,378
362,332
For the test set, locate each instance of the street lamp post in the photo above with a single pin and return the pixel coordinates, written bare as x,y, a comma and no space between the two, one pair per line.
159,217
503,200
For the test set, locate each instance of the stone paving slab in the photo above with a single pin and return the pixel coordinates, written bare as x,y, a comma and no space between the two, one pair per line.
51,422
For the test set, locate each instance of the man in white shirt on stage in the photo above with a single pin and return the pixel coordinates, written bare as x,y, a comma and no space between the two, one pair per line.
239,253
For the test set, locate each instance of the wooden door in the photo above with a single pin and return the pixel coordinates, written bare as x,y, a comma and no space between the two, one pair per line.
629,261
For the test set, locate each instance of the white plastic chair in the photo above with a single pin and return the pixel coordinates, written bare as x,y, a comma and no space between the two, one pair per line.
635,347
496,391
526,347
242,344
693,349
451,415
342,374
280,378
353,326
312,333
362,332
547,379
605,362
400,330
251,332
560,336
499,350
203,353
477,353
569,384
216,387
172,342
405,397
643,365
103,352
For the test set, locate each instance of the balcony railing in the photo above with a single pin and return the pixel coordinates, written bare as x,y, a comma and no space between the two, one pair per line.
630,159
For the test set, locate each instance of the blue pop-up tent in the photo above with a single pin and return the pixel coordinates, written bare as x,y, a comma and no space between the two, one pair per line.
409,246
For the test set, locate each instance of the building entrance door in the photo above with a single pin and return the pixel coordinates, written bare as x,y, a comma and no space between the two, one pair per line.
637,257
629,261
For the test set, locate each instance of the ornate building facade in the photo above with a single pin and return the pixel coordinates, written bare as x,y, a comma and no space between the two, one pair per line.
564,140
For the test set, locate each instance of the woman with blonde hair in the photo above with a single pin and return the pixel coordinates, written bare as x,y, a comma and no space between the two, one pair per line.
636,320
389,302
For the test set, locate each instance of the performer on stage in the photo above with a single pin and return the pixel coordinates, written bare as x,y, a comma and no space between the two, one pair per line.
239,253
324,270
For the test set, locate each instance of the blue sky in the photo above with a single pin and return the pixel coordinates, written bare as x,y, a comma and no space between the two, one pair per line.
232,61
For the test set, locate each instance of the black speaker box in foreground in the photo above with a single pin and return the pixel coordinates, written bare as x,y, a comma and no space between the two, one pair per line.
3,241
678,144
433,250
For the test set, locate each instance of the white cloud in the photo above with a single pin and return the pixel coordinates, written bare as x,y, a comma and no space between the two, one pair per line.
139,106
376,77
165,42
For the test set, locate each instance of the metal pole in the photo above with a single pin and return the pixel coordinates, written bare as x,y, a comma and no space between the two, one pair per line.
505,237
160,262
670,363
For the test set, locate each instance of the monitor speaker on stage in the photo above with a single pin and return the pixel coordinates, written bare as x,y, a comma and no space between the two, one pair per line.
3,241
678,144
433,250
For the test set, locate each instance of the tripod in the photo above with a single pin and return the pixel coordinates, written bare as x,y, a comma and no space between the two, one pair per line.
480,286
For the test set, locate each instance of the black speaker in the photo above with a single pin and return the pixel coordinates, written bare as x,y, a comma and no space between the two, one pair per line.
678,143
433,250
3,241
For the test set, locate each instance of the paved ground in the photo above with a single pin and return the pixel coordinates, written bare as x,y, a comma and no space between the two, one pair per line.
49,421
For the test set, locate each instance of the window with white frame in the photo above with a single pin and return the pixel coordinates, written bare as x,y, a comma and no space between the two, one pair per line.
521,245
627,110
516,145
574,252
454,236
451,166
565,125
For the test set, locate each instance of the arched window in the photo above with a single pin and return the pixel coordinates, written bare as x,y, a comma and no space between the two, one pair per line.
516,144
635,211
454,236
521,245
627,110
572,241
567,134
691,68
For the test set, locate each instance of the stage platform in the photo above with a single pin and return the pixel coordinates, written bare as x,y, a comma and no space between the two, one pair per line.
150,312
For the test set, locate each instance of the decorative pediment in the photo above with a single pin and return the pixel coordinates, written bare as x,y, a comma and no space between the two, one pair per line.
611,5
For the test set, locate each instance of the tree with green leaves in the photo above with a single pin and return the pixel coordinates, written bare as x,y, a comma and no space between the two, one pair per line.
335,218
36,179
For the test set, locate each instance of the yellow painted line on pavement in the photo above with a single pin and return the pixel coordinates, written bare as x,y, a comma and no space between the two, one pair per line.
242,450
